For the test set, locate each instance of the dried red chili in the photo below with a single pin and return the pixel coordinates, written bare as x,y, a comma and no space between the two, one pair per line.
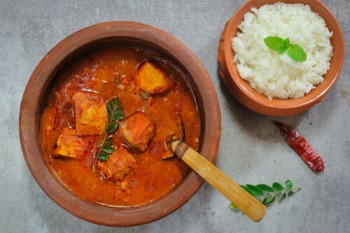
299,144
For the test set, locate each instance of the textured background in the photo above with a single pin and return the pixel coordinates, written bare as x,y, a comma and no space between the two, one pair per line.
251,149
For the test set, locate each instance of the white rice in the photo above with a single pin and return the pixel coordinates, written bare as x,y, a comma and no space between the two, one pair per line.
276,75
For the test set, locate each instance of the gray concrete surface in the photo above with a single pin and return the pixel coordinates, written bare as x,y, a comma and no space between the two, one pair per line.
251,150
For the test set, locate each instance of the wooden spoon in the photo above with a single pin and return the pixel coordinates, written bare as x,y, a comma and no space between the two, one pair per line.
230,189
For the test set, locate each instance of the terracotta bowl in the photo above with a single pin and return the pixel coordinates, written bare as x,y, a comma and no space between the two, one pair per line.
241,89
75,46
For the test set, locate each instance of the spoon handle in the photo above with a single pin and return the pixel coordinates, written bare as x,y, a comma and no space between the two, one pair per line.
216,178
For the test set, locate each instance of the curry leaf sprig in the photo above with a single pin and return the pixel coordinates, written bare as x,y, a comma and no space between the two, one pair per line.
114,113
105,148
295,51
268,194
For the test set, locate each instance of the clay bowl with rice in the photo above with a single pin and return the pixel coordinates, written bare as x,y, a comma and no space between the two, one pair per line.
259,101
112,74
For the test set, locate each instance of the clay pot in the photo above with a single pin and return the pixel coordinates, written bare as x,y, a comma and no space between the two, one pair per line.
241,89
74,47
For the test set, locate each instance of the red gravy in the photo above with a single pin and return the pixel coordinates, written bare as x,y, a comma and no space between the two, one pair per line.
109,73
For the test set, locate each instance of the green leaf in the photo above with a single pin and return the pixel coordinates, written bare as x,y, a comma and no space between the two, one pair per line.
297,53
114,110
265,188
255,190
289,184
108,149
109,140
277,44
277,187
144,94
232,206
269,200
277,192
283,197
112,126
291,193
247,189
103,157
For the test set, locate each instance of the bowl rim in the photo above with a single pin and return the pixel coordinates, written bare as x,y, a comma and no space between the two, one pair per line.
294,105
30,114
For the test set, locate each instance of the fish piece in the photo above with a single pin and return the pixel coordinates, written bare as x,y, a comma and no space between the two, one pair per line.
152,80
137,130
70,145
90,114
119,164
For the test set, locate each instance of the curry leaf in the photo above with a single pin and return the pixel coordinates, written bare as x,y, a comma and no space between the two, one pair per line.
232,206
283,197
114,113
247,189
103,157
269,200
112,126
289,184
144,94
109,140
269,195
255,190
265,188
277,187
108,149
114,109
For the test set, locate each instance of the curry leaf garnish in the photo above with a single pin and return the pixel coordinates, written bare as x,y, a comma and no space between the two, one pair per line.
268,194
246,189
255,190
144,94
114,113
112,126
277,187
295,51
289,184
108,149
114,110
103,157
265,188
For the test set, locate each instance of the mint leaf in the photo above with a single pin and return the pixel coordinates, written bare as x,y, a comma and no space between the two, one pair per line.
277,44
297,53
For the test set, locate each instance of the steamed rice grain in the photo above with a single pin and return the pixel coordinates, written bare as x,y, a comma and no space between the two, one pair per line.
277,75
